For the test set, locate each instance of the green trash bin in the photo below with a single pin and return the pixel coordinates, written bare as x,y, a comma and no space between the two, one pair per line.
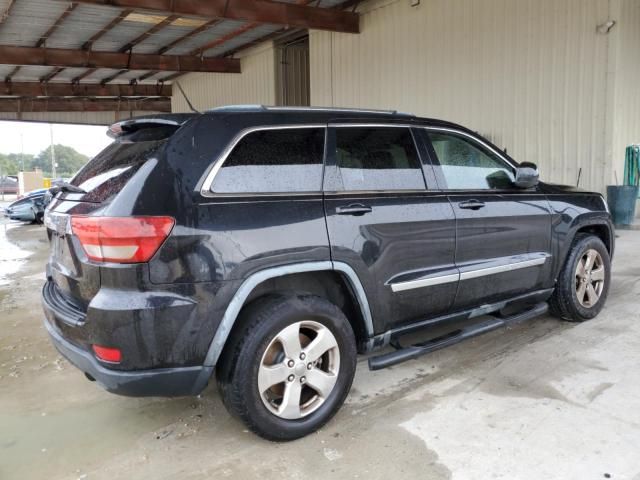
632,165
622,203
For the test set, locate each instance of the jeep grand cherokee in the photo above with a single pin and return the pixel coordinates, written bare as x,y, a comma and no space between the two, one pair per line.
266,246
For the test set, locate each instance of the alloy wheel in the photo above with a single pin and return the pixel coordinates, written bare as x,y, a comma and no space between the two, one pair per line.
589,278
298,370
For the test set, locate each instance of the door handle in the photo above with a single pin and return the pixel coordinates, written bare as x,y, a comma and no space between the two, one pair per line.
471,204
354,209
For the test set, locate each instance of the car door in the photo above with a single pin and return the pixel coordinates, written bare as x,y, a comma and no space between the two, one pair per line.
396,235
503,232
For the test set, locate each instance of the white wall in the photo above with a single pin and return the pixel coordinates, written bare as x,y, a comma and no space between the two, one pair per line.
530,75
626,69
255,85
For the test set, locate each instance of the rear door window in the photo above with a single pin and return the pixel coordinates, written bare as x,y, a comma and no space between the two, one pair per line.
273,161
378,158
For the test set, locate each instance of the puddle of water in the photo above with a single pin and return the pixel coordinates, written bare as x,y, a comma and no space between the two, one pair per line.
12,257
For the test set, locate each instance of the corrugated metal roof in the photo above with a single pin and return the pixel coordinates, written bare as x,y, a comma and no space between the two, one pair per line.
214,32
68,74
26,74
5,69
245,38
29,20
120,35
163,37
80,25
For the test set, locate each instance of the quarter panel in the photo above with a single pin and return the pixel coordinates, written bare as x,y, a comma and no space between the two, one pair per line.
234,238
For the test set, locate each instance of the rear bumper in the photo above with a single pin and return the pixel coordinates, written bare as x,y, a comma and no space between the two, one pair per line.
164,382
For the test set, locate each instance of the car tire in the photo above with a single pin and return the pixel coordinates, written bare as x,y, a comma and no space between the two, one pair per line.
583,283
261,352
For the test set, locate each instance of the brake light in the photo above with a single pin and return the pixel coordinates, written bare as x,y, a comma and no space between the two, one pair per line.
108,354
121,239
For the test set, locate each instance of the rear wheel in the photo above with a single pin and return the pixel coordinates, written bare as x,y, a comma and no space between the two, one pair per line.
289,367
583,283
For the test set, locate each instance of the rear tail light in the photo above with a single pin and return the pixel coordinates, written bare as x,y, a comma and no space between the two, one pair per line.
108,354
121,239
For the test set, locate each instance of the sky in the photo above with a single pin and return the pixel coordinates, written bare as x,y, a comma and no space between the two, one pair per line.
87,139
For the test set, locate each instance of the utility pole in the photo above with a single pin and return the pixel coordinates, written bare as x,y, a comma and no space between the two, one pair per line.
53,154
22,152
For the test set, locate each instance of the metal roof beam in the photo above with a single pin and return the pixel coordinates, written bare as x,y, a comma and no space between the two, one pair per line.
143,36
261,11
37,89
88,45
57,57
22,105
178,40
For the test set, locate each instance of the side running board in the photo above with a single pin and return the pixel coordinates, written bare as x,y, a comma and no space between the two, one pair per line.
403,354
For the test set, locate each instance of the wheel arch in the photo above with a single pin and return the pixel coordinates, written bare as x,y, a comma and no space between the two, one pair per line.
259,284
600,230
600,226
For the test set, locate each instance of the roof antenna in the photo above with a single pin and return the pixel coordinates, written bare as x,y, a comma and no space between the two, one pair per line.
186,98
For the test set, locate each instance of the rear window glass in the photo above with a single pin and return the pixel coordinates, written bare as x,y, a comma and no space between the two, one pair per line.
271,161
111,169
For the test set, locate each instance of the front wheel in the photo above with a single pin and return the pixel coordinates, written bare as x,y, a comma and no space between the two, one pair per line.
583,283
289,366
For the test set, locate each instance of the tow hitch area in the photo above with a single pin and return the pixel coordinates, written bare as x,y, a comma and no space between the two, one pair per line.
402,354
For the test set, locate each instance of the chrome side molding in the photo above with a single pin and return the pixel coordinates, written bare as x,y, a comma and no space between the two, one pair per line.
425,282
516,263
481,272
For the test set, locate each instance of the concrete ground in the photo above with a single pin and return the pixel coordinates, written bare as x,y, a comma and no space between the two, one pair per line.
543,400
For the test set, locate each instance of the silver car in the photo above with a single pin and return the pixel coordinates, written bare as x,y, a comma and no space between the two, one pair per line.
29,208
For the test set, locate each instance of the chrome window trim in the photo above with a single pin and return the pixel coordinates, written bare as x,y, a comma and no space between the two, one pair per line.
474,139
206,191
378,192
243,292
467,275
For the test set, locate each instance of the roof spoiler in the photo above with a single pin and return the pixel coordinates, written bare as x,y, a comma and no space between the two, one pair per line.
126,127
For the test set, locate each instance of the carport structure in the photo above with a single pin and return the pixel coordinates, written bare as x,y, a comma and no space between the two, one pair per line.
95,61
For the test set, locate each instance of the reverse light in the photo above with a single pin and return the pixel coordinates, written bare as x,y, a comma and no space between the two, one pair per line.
107,354
121,239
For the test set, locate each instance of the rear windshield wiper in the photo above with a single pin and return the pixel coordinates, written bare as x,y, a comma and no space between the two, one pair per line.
65,187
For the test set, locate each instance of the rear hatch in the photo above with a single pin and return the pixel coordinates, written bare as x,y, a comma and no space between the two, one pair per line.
73,277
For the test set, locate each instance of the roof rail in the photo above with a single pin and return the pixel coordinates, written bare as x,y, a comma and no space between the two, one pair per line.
339,109
263,108
237,108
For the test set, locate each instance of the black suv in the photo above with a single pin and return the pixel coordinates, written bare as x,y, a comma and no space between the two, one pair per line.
266,246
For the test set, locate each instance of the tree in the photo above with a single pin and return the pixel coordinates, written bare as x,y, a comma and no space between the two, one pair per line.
68,159
10,164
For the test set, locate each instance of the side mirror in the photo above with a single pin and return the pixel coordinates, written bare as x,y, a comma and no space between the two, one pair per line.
526,175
